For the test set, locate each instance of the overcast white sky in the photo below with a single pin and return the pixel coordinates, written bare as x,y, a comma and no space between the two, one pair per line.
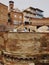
23,4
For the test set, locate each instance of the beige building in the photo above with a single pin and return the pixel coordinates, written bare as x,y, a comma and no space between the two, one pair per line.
32,13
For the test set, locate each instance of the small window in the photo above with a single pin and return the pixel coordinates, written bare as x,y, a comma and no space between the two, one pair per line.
26,28
29,29
9,14
15,22
26,23
15,15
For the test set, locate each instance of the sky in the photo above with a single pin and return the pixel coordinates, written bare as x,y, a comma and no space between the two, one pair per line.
23,4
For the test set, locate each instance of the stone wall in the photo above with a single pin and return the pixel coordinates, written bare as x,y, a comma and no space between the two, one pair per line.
23,43
3,14
23,48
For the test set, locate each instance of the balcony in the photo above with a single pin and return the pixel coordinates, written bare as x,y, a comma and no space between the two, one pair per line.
38,12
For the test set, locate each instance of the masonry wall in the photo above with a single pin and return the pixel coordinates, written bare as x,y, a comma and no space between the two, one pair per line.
24,43
3,14
17,48
43,21
16,17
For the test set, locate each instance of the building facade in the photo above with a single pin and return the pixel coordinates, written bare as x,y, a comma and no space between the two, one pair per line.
39,13
15,16
3,14
18,18
32,13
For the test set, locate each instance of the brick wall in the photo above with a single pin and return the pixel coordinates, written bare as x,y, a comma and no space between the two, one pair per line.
16,17
3,14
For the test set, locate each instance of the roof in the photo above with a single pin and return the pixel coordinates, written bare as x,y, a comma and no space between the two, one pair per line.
39,10
29,8
3,4
33,9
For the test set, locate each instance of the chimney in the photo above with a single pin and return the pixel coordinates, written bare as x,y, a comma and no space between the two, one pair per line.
11,5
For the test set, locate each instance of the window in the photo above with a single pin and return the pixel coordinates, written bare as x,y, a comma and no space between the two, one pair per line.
15,22
9,14
26,23
25,27
15,15
29,29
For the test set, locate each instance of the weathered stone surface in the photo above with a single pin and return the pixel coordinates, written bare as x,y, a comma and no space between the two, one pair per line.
23,46
25,43
3,14
43,21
